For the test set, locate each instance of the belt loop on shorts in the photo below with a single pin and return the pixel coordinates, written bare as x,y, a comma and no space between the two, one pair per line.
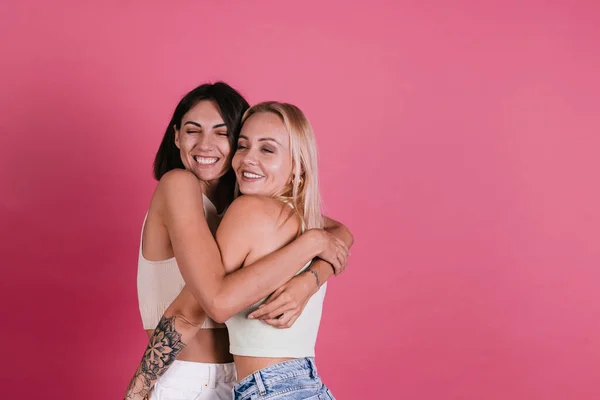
259,383
212,376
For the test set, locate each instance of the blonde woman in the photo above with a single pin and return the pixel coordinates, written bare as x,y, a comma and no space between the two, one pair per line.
276,169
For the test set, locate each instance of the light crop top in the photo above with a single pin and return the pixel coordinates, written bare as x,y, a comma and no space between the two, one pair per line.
159,282
254,338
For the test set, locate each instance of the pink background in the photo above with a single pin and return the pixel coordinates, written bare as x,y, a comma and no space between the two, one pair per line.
460,143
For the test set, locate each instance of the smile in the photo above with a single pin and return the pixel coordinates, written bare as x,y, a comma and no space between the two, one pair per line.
251,176
205,160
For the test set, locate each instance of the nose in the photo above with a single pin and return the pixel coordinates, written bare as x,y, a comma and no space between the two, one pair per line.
204,142
249,158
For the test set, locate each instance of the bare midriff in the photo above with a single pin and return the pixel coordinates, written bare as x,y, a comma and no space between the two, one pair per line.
208,346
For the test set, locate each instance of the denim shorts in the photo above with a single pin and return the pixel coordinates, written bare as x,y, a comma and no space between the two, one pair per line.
293,380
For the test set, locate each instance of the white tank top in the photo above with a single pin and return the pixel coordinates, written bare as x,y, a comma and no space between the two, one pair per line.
254,338
159,282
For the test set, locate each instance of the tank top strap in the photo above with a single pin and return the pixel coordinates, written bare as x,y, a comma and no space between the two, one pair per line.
288,201
142,233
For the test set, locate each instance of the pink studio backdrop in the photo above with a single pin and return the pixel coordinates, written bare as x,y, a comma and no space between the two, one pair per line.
460,142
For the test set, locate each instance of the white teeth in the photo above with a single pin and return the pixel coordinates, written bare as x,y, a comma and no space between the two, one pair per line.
251,175
205,160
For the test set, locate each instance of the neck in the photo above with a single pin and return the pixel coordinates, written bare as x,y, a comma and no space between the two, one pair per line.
217,192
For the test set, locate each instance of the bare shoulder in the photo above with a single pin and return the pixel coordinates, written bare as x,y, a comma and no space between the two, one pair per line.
254,226
179,191
262,213
178,179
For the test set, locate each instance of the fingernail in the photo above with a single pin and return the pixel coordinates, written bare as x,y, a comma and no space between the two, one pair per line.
250,316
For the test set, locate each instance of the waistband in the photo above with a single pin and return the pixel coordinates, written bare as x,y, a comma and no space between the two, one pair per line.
185,373
273,374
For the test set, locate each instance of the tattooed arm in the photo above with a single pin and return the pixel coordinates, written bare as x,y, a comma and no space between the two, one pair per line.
163,348
179,324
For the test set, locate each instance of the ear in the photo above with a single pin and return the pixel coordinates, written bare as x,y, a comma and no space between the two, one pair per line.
176,136
301,176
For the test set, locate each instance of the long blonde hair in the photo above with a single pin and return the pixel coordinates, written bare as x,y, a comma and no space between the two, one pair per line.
303,189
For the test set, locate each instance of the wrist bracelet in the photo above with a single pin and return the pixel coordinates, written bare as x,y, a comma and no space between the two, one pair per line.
312,271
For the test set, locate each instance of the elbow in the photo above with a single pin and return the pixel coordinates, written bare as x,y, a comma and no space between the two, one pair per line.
349,238
218,317
342,231
219,310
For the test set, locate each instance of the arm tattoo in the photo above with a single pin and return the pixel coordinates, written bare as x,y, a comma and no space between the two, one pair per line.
163,348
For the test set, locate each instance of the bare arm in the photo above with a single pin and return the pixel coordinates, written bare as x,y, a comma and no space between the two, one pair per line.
179,324
199,258
286,304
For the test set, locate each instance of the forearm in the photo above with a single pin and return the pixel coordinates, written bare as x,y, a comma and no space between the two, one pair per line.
259,279
285,305
221,296
324,269
168,340
178,326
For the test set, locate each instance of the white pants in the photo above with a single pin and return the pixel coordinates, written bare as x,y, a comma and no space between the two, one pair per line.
186,380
